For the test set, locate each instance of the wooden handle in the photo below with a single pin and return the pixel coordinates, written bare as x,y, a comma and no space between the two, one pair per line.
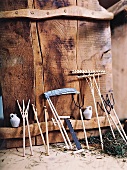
46,124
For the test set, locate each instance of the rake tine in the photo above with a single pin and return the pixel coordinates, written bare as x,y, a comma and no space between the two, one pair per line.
19,107
27,108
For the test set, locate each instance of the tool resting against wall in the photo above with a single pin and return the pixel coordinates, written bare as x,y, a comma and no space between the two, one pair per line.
90,78
57,118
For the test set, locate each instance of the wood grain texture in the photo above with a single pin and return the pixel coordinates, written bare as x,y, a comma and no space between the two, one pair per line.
118,7
38,66
7,133
39,57
58,45
119,53
71,11
16,143
93,52
8,5
16,55
56,137
16,66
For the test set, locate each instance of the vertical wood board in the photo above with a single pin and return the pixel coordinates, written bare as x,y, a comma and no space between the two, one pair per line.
93,52
58,45
119,52
16,56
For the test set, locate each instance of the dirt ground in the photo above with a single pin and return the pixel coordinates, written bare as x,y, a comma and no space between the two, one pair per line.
93,159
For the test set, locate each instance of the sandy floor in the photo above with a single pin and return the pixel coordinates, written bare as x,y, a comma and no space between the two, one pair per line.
12,159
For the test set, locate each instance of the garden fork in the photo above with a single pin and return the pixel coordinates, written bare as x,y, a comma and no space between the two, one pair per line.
24,113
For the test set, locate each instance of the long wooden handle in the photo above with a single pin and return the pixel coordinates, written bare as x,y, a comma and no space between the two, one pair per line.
120,124
23,136
71,11
99,93
35,113
118,128
31,149
58,122
84,129
95,106
46,124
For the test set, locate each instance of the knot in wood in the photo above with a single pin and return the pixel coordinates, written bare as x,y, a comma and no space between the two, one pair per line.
65,10
31,12
16,12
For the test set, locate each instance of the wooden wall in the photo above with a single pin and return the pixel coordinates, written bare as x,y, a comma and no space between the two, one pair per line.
119,53
16,55
37,56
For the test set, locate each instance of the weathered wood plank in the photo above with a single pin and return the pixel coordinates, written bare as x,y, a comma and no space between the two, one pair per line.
17,73
93,52
16,143
7,133
119,62
56,137
71,11
38,67
8,5
118,7
58,44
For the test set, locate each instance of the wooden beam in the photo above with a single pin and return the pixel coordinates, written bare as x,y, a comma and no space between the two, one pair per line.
38,64
56,137
118,7
8,133
71,11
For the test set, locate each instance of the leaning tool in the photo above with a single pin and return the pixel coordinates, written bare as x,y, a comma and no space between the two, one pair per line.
57,118
73,134
108,104
83,124
91,85
88,75
35,113
24,113
46,124
107,115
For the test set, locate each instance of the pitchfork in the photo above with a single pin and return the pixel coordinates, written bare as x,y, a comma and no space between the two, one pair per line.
24,113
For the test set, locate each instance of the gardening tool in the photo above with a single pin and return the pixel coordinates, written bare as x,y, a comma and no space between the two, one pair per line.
110,105
24,113
35,113
46,124
99,93
84,129
73,134
91,85
83,124
89,74
55,114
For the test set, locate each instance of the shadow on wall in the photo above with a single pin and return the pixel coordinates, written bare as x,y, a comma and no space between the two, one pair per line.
1,109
